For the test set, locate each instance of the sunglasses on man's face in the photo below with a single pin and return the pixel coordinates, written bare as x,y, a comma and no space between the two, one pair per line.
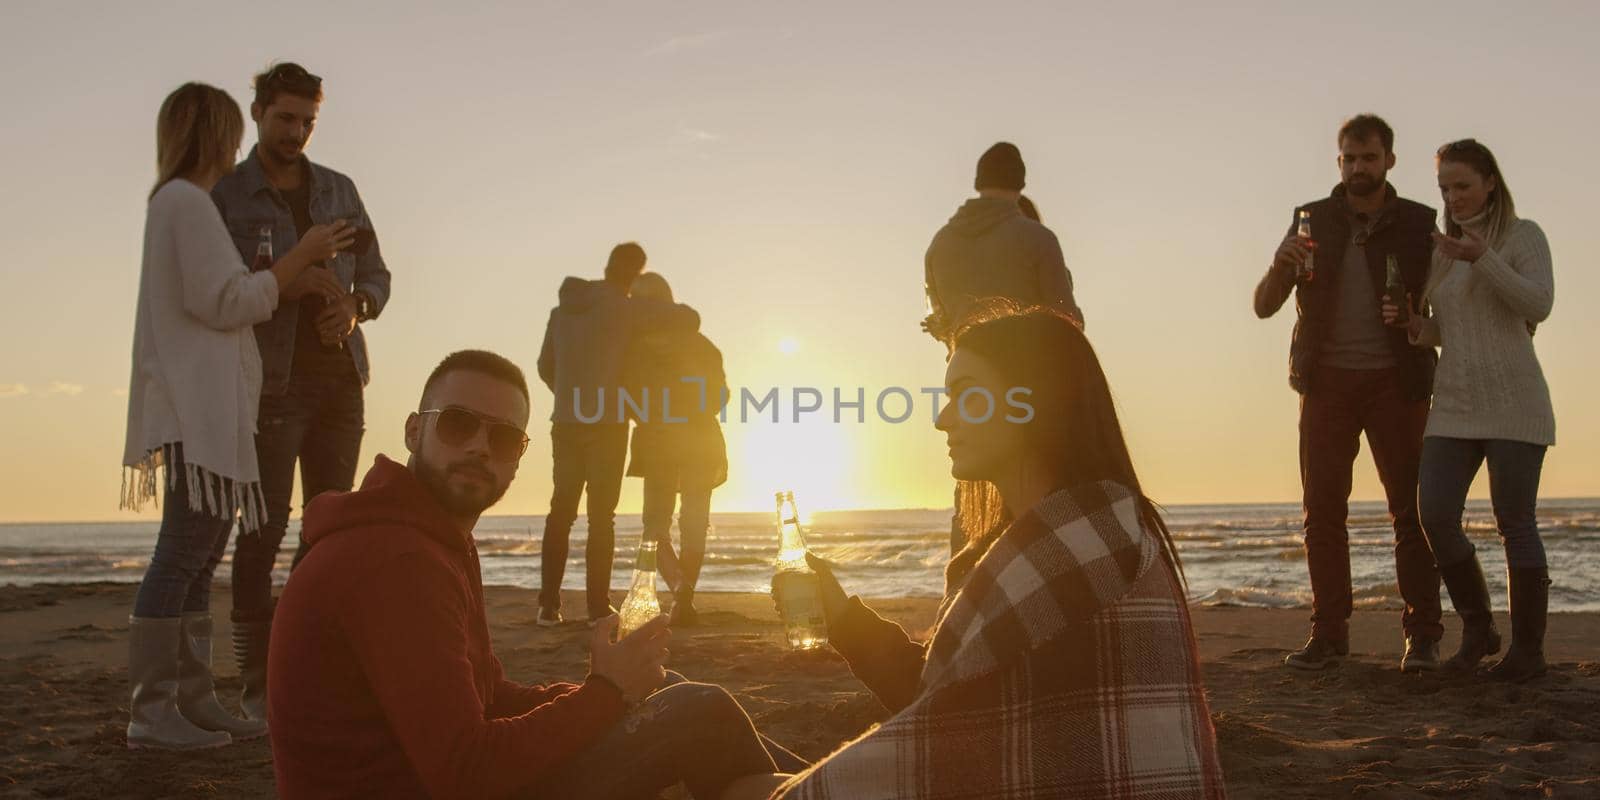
457,426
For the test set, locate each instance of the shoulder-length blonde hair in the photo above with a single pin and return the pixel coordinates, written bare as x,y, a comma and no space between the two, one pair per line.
199,126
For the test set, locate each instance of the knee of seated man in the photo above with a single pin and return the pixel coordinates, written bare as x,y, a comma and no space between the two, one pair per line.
696,701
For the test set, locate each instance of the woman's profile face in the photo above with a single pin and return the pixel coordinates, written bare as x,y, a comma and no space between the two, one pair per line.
1465,192
982,442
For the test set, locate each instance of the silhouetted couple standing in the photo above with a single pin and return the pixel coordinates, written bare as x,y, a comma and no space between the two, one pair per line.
625,331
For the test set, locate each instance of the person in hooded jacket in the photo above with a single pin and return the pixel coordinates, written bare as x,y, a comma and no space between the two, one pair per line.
677,445
382,677
994,246
581,362
991,248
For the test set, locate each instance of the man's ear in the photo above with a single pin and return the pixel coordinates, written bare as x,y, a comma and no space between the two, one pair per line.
255,112
414,433
1390,161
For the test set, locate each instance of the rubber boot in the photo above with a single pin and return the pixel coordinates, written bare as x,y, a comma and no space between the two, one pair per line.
252,633
154,718
1530,606
1469,593
197,695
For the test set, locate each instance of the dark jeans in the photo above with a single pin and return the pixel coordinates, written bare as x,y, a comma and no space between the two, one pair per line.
694,733
188,549
660,496
592,457
1448,468
1341,405
318,423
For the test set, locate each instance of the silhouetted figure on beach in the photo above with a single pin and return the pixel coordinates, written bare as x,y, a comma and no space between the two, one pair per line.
192,414
994,246
678,448
1063,662
1491,283
384,681
313,350
581,361
990,248
1355,375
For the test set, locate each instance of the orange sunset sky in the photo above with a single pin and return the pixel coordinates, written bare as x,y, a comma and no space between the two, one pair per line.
785,165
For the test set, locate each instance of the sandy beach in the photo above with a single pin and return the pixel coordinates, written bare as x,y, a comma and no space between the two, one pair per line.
1363,729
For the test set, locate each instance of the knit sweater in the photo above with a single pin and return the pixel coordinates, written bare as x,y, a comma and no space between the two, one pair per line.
196,371
1489,384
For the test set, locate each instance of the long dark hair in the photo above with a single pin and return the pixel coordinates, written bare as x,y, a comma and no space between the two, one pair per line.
1074,423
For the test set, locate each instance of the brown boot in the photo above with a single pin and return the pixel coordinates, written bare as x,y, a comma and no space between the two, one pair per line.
1469,593
1530,606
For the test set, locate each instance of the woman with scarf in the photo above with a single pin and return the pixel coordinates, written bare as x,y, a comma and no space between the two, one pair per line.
192,413
1063,661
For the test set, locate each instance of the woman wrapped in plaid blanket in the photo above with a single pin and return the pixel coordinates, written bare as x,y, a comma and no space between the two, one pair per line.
1062,663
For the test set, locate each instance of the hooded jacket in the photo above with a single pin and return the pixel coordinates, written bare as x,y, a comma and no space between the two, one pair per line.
682,378
382,681
989,249
585,340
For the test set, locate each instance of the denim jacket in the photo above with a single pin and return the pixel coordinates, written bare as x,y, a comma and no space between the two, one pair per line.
248,202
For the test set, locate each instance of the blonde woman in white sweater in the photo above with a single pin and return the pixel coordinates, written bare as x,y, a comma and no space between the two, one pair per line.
192,412
1490,285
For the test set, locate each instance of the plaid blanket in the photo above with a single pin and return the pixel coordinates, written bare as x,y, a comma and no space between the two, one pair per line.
1063,667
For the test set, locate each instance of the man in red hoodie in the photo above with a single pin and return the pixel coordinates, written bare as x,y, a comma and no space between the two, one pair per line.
382,681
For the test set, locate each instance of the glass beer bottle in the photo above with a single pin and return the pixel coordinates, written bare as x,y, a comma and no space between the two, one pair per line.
795,585
641,604
1395,288
263,258
1308,267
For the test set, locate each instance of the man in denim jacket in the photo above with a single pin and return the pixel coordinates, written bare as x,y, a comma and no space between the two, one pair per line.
313,354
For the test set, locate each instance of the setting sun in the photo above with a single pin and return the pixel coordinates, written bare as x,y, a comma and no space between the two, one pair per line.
788,345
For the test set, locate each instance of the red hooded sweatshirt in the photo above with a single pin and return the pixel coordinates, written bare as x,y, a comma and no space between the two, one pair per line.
381,680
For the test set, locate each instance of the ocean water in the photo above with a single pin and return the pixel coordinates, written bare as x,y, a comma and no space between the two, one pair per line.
1233,554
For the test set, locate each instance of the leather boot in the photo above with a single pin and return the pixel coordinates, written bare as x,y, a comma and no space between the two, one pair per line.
252,633
154,718
1469,593
1530,606
197,696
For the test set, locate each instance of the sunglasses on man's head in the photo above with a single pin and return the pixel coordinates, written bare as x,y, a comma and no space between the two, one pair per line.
457,426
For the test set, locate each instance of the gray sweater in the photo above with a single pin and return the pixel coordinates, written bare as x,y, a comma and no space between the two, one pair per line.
989,249
1489,384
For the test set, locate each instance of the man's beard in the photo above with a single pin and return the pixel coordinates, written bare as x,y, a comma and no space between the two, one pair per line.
1362,185
437,482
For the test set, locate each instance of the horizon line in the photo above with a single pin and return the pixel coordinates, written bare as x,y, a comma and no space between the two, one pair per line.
1213,504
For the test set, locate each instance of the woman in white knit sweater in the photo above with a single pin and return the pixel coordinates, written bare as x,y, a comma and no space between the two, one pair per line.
192,411
1490,285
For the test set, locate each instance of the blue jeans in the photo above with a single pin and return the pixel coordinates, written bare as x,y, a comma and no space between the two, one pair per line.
1448,468
319,424
694,733
188,549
